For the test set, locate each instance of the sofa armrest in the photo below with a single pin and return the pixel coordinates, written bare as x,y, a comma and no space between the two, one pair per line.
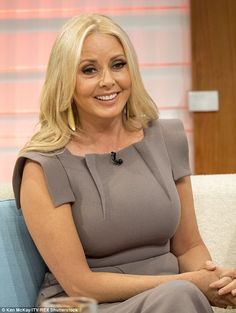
21,267
215,206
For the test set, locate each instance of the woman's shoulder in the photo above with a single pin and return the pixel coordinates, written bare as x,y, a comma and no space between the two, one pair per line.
45,159
171,130
172,134
40,155
168,129
53,170
169,125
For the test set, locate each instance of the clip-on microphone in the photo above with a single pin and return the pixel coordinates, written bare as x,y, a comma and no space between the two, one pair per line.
114,160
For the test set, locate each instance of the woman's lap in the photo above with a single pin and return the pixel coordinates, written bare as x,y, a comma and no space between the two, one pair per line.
175,296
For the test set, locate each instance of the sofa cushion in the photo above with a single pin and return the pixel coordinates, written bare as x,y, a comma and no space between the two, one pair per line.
215,206
21,268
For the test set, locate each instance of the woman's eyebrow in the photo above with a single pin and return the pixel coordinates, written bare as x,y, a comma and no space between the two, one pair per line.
118,56
94,60
88,61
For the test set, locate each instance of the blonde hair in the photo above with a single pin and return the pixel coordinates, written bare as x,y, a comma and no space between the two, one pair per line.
57,94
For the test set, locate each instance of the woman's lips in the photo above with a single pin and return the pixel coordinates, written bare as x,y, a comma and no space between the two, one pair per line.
107,97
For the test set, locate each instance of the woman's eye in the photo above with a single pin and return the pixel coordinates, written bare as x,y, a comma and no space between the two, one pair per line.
89,70
119,65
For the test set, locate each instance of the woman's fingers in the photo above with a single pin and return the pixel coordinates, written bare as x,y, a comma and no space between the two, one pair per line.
222,282
227,288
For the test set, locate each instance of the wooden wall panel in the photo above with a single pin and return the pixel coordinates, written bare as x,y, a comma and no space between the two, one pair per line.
213,26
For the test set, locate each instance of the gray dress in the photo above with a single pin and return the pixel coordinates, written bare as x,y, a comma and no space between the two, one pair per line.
125,215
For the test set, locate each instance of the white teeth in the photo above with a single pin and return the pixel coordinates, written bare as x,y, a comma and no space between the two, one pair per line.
106,98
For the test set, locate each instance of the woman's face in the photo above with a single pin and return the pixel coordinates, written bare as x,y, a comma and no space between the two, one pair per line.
103,81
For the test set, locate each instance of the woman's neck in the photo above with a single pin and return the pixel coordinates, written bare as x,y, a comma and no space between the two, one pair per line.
103,138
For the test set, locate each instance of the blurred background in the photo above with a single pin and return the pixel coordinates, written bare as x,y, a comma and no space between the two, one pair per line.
182,45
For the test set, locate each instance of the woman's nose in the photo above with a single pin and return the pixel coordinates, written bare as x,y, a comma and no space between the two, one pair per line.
107,79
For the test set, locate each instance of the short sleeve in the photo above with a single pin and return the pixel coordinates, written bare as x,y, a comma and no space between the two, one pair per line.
177,147
57,181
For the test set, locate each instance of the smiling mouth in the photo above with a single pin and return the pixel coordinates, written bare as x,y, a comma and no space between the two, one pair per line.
107,97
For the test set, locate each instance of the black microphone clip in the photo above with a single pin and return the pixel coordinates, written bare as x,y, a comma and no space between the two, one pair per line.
114,160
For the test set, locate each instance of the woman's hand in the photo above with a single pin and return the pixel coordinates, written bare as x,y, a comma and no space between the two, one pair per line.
227,282
225,286
203,279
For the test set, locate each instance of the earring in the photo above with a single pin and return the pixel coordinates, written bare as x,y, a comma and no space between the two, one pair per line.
126,111
71,120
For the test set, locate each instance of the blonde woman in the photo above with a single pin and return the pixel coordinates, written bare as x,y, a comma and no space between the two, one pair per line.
104,184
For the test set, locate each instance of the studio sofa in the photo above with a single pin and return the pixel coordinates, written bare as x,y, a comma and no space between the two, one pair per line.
22,269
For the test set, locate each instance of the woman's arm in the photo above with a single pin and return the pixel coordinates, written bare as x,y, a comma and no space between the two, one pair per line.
187,243
55,235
